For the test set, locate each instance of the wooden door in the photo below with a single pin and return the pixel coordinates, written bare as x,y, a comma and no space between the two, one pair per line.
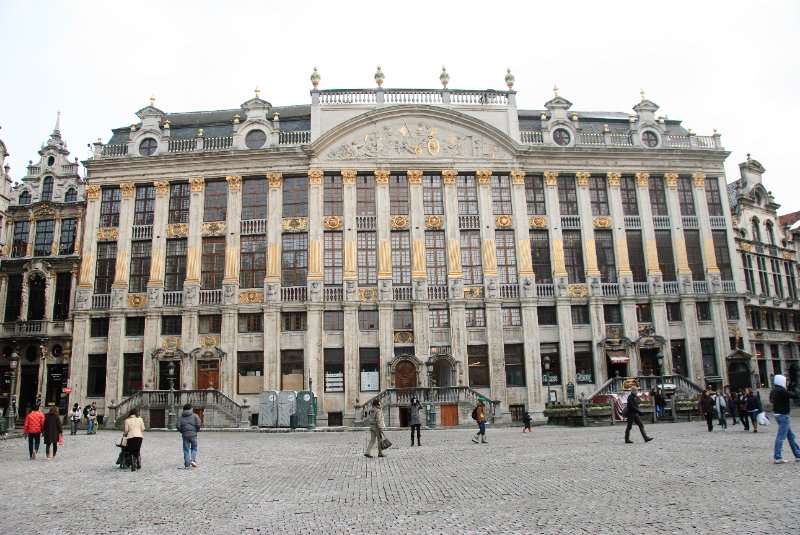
200,413
157,419
207,374
405,375
449,415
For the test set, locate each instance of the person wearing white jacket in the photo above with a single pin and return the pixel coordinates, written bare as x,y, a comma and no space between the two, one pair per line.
375,429
722,405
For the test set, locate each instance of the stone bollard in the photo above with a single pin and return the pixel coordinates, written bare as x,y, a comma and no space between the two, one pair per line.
245,416
111,415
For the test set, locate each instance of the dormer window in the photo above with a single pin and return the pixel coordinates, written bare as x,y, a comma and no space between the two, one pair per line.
47,189
561,137
51,160
649,139
148,147
25,197
255,139
71,195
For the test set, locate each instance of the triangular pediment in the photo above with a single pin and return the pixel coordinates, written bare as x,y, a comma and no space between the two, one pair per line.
558,103
646,105
149,112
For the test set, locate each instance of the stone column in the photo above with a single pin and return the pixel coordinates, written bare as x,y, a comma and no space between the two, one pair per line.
455,274
161,230
88,256
709,256
315,237
274,218
352,377
114,356
385,343
314,352
152,342
522,235
350,273
190,341
382,205
533,359
230,283
678,240
587,231
648,231
618,228
556,238
418,223
119,289
272,347
195,240
692,333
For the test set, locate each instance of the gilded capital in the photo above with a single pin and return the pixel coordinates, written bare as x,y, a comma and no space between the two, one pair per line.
484,176
518,177
582,179
234,182
699,180
197,184
613,179
348,176
551,178
93,192
449,177
643,180
315,177
381,176
671,180
414,176
162,187
275,179
128,189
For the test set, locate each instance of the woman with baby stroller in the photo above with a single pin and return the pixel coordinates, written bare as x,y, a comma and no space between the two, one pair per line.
133,436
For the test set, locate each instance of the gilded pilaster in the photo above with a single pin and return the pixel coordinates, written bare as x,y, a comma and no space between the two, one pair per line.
274,219
417,224
587,224
701,206
678,240
195,238
521,226
233,236
383,225
618,226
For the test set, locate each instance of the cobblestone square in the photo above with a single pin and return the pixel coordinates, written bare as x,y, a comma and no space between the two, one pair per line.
553,480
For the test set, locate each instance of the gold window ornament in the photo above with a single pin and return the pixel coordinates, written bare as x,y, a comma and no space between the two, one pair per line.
162,187
251,297
128,189
275,179
434,221
177,230
295,224
642,179
137,300
196,185
577,290
518,177
381,177
602,222
473,292
582,179
92,192
234,182
315,177
671,180
503,221
613,179
414,177
399,222
348,176
209,341
332,222
367,294
171,343
699,180
214,228
107,233
551,178
484,176
537,221
449,177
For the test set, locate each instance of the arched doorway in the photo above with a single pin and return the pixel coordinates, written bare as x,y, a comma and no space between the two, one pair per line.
739,375
36,297
405,374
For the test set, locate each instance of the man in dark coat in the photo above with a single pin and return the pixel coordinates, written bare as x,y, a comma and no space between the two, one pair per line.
188,425
632,412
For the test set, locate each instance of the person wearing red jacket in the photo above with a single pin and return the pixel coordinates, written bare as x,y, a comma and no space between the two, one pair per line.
34,423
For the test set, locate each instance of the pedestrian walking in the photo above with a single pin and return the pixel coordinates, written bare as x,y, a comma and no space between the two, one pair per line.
376,426
707,409
413,419
632,413
526,422
744,417
34,423
479,415
92,416
134,432
753,405
721,405
53,431
74,419
732,400
188,426
781,406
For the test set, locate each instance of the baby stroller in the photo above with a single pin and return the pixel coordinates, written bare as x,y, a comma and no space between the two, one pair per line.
130,453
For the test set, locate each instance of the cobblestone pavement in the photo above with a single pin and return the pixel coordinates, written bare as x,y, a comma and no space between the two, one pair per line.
554,480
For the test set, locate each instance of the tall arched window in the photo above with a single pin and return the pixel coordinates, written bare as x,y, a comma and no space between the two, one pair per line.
25,197
47,188
770,233
71,195
756,230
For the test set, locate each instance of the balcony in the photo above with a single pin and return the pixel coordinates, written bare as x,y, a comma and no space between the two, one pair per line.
366,222
717,222
610,288
509,291
700,287
335,294
172,299
142,232
181,145
641,288
437,293
253,226
729,287
469,222
661,221
690,221
633,222
101,301
294,293
210,297
570,221
402,293
545,290
24,329
300,137
671,288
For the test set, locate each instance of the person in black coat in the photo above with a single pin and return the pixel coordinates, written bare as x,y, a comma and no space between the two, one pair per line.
632,413
52,431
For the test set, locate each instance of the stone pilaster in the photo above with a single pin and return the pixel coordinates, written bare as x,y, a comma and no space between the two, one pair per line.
706,238
315,237
618,226
352,377
274,217
350,271
533,359
314,352
385,344
417,224
89,254
556,238
119,289
678,240
383,238
155,284
522,234
648,230
114,351
230,282
455,273
195,240
587,229
272,348
488,246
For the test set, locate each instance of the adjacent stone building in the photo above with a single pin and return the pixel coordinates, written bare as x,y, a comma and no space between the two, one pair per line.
380,239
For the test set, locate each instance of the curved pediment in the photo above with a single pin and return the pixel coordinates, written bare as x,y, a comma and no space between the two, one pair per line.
418,134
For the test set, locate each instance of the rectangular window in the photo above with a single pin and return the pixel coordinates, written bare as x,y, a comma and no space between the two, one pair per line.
294,321
14,298
171,325
98,327
506,256
438,318
598,195
251,323
627,190
19,246
674,312
694,253
250,371
755,319
369,367
604,246
478,365
96,379
791,280
292,376
295,196
435,258
512,316
540,256
580,315
141,252
333,320
777,278
723,257
368,320
658,197
252,261
401,258
367,258
294,259
43,245
132,373
432,195
334,370
398,195
134,326
365,195
66,244
666,260
573,256
175,265
471,257
213,263
686,196
534,195
703,311
732,310
612,314
209,323
567,196
106,267
333,257
784,319
62,296
584,363
644,314
501,195
515,365
403,320
679,361
179,195
475,317
144,206
709,357
547,316
749,275
713,197
636,255
467,195
216,201
109,207
550,353
255,196
770,317
763,277
334,195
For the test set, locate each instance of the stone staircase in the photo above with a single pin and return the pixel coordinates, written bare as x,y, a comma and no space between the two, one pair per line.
219,411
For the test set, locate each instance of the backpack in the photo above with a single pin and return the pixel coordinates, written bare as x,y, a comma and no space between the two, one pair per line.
475,414
86,411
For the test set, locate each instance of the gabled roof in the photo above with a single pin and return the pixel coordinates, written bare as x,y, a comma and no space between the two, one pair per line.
787,220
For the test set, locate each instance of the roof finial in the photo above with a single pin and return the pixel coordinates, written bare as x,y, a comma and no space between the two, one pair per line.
315,78
153,100
555,89
379,77
58,122
258,92
748,156
641,92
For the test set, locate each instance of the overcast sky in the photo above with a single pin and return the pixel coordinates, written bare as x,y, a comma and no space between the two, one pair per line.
729,65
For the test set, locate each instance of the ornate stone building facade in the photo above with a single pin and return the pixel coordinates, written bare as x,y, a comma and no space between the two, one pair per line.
382,238
40,261
768,253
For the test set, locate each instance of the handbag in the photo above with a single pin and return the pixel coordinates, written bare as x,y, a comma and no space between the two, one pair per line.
762,418
60,440
121,441
385,443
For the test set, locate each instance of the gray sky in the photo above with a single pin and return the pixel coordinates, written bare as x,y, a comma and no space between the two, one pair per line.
729,65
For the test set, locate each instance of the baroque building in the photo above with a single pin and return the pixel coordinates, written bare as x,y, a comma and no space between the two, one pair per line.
382,239
768,250
40,262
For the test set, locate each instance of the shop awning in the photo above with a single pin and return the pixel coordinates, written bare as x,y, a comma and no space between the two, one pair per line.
617,356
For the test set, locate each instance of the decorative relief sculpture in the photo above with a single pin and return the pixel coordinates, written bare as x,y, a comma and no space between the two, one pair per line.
275,179
171,343
484,176
295,224
746,247
449,177
399,222
177,230
503,221
196,185
228,293
613,179
107,233
551,178
137,300
434,221
250,296
602,222
404,337
386,290
491,289
528,289
234,182
577,290
332,222
214,228
367,294
209,341
117,297
538,221
272,291
152,296
455,288
419,289
473,292
350,288
92,192
787,255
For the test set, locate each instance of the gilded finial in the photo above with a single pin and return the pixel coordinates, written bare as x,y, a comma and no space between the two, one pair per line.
379,77
444,77
258,92
509,78
315,78
555,90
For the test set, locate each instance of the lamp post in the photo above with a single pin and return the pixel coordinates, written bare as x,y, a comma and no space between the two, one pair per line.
431,417
171,380
660,359
11,411
546,361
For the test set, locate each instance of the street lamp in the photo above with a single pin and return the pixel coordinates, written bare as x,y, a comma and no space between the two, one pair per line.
546,361
11,411
171,379
660,359
429,413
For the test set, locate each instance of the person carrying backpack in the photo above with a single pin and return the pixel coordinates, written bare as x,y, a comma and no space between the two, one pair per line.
479,415
74,419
